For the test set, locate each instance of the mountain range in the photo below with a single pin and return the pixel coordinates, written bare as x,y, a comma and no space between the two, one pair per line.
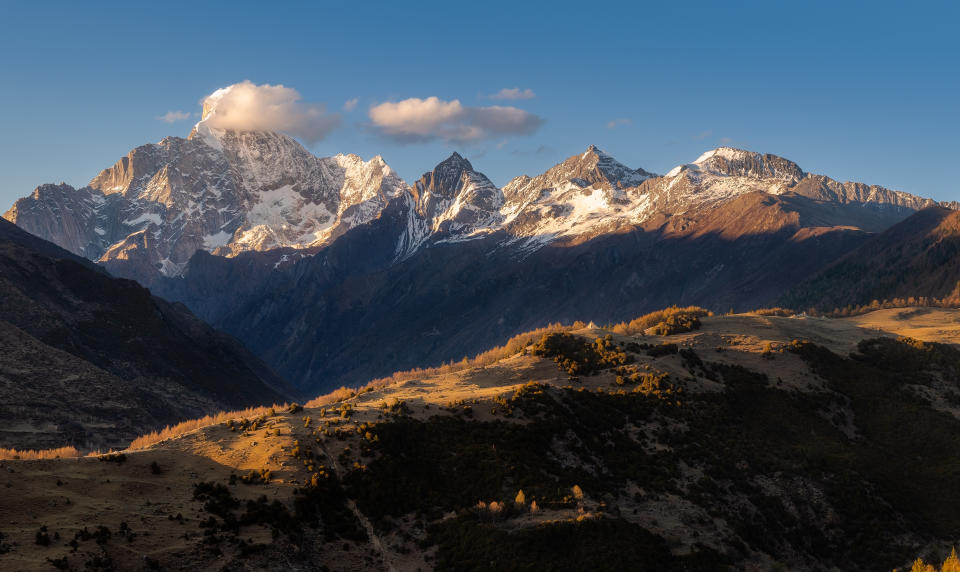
309,260
228,192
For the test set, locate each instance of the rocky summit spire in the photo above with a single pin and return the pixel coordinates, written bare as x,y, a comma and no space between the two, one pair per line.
446,179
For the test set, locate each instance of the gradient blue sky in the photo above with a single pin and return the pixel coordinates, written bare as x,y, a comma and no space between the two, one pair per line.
864,91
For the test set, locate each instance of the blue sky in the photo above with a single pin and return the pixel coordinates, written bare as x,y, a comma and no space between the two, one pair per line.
863,91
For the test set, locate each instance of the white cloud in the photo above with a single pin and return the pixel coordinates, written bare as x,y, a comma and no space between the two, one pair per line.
416,119
620,121
350,104
245,106
513,93
174,116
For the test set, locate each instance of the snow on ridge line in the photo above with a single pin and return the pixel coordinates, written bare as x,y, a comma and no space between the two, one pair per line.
675,171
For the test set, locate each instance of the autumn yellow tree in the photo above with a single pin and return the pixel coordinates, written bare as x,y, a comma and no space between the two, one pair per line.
952,563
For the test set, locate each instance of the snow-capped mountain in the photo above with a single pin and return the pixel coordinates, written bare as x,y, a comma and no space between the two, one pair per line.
585,194
451,202
228,192
592,194
224,192
724,172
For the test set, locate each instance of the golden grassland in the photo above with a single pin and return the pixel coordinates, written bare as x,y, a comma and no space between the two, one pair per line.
144,441
513,346
663,321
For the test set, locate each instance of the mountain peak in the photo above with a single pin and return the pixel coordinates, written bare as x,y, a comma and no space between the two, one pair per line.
591,155
597,166
733,162
456,160
724,152
449,176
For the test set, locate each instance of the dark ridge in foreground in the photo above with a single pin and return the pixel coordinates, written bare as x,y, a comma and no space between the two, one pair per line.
92,361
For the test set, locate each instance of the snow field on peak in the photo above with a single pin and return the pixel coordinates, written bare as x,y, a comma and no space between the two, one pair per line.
153,218
283,217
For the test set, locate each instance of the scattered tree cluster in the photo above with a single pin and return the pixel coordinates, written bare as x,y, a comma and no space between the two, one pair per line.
950,301
245,424
255,477
781,312
30,455
576,356
672,320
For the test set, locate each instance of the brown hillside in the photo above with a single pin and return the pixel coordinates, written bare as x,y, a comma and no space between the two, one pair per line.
652,472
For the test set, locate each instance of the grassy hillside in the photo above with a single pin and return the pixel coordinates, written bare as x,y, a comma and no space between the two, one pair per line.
748,441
